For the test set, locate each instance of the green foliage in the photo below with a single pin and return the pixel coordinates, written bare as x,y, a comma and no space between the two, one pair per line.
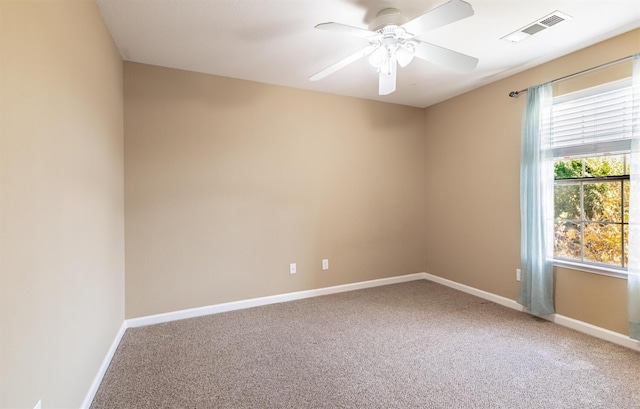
582,228
567,200
604,166
596,166
568,168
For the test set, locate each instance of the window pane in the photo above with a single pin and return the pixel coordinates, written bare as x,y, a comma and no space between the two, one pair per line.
605,166
603,243
567,240
567,168
603,201
566,197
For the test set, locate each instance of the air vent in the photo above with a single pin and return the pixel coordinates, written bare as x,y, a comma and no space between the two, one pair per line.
537,26
531,30
552,20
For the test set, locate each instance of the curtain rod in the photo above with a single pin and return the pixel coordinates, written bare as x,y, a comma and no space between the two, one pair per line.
516,94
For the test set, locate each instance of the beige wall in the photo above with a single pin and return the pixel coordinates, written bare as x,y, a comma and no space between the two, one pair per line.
61,200
472,176
228,181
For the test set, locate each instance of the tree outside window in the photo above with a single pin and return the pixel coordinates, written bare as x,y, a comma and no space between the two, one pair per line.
591,209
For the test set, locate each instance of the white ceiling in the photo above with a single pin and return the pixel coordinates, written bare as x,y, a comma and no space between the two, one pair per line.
274,41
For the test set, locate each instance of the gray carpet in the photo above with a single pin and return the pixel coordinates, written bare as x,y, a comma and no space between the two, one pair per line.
410,345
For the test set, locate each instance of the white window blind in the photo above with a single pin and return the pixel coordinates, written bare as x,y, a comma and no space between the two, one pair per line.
593,121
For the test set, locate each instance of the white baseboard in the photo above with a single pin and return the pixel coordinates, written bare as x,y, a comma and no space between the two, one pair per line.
273,299
595,331
581,326
86,403
230,306
498,299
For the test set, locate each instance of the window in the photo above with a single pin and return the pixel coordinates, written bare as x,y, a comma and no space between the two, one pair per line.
591,209
590,139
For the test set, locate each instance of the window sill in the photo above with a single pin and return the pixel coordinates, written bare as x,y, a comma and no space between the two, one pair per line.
589,268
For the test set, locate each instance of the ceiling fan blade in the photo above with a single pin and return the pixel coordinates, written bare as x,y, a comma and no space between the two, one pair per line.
447,13
387,82
445,57
342,63
345,29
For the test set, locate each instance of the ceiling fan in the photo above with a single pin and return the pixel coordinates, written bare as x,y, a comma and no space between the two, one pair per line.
393,40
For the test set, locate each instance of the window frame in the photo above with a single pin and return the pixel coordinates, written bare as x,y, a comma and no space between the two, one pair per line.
598,149
583,220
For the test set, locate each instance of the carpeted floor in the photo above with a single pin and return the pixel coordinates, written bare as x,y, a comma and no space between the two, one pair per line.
409,345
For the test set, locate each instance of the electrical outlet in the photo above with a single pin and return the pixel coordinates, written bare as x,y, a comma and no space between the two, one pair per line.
518,274
292,268
325,264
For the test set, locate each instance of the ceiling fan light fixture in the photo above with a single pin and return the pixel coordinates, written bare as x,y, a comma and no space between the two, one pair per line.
378,58
404,54
391,50
383,61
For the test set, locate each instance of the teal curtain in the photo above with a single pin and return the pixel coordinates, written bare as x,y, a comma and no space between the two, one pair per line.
633,281
536,203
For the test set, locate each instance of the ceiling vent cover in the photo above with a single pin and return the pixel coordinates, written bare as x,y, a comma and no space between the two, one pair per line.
537,26
552,20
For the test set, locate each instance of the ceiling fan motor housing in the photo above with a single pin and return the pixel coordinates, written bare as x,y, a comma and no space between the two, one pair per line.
387,17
